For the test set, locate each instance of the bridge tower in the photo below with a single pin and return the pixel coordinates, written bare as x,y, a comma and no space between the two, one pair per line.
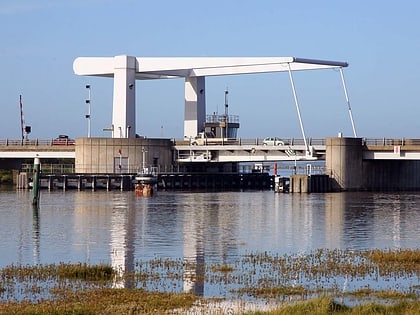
127,69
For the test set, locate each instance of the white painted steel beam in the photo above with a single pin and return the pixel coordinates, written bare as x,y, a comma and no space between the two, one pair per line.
40,154
389,155
195,105
124,108
126,69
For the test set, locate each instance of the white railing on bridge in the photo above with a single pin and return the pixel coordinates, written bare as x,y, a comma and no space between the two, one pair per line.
255,141
240,141
48,168
36,142
390,142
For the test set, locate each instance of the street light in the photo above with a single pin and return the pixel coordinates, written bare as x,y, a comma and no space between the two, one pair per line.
88,102
226,113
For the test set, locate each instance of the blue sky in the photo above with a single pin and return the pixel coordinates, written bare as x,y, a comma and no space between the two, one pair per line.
379,39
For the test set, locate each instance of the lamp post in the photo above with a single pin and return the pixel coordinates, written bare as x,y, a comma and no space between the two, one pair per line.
88,102
226,114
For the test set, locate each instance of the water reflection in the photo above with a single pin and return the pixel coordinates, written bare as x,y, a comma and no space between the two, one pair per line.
193,251
210,221
334,220
114,221
35,233
366,220
123,224
396,227
120,228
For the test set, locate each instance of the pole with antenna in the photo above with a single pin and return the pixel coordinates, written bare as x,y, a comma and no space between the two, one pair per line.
22,123
226,113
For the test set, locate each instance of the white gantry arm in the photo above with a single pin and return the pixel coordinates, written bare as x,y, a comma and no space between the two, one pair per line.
126,70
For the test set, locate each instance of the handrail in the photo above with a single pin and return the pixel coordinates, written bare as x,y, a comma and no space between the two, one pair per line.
240,141
36,142
255,141
48,168
390,142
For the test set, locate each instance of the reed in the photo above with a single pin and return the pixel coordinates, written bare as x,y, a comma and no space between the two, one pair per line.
327,306
315,279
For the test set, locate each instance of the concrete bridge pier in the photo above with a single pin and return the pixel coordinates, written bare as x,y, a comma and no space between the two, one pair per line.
93,183
65,182
79,183
344,163
50,182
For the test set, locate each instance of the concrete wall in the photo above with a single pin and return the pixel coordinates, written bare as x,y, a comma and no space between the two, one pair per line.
391,175
349,172
344,163
309,184
122,155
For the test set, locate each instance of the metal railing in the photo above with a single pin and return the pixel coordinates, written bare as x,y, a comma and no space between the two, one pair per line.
36,142
239,141
390,142
51,168
255,141
215,118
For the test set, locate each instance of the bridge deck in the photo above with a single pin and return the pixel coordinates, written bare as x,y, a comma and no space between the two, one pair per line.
241,150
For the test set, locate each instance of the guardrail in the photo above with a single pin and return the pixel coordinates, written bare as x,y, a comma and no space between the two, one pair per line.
256,141
50,168
390,142
37,142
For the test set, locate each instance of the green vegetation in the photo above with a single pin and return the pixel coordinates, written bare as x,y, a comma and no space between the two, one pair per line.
102,301
325,306
6,176
290,284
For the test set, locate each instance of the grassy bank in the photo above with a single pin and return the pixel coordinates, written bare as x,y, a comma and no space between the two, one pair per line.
288,284
137,301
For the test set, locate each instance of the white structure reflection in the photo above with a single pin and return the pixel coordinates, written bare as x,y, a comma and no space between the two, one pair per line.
116,223
36,233
194,262
334,219
122,242
396,227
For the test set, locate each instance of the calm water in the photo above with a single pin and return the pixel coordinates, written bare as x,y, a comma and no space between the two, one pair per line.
120,229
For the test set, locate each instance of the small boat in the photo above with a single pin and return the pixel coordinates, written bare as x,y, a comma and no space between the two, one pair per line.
144,183
143,178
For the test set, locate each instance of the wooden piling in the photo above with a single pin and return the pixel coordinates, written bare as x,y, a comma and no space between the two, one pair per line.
36,176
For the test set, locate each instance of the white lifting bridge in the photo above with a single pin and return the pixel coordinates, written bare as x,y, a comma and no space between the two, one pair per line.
126,70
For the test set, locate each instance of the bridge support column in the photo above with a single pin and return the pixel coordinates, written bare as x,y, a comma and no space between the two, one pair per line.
79,183
50,182
65,182
195,106
93,183
344,163
124,108
299,184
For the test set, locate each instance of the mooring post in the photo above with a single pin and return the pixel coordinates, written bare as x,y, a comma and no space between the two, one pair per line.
36,177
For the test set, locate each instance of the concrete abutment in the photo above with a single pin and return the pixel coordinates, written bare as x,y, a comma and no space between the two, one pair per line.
349,170
344,163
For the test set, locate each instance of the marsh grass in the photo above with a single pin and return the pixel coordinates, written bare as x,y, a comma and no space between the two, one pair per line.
274,292
222,268
103,301
309,282
85,272
326,305
383,294
395,260
62,271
